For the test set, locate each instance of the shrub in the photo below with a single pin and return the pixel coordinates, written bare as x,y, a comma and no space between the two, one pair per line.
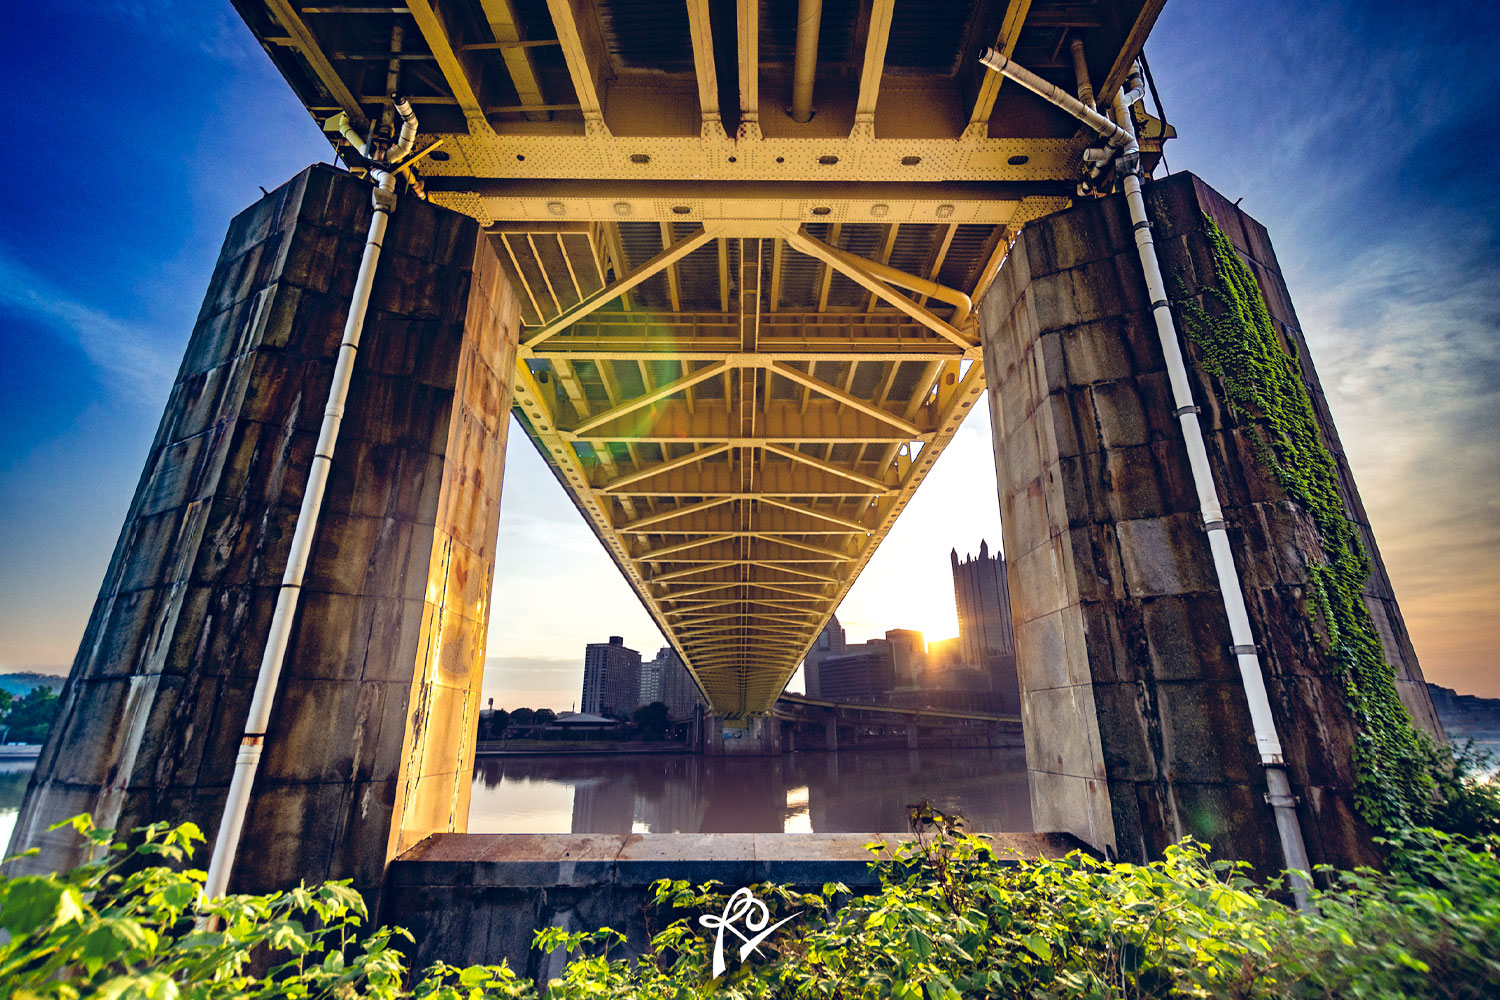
949,920
135,925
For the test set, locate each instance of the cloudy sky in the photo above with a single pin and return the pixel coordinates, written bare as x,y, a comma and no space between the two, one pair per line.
1359,135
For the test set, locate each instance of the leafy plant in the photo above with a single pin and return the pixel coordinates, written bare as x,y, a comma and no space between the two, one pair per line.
135,925
27,719
950,919
1262,384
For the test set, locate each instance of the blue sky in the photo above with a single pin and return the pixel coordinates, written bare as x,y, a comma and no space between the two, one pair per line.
1356,135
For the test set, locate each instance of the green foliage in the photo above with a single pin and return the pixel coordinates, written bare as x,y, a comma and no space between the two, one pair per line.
1468,798
1262,384
135,925
950,919
1431,929
28,719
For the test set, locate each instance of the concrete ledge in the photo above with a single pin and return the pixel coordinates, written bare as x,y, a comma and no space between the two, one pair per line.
479,898
545,860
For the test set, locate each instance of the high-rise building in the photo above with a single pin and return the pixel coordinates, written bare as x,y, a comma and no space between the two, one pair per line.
864,672
651,678
678,691
830,642
611,678
909,653
983,596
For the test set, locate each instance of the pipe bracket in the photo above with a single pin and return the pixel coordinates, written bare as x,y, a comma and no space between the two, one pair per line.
1282,801
1159,303
1244,650
1182,411
1215,526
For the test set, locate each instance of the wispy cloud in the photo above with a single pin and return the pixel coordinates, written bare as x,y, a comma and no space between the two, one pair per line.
134,360
1392,253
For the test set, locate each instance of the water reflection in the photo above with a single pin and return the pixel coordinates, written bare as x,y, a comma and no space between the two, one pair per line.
14,774
858,792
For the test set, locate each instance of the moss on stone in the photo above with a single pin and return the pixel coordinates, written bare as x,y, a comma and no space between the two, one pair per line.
1263,385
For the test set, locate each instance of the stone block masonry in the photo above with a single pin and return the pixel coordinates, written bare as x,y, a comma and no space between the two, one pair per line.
1136,725
371,741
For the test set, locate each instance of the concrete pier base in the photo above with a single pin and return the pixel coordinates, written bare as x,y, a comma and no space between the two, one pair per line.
477,898
371,740
758,736
1136,726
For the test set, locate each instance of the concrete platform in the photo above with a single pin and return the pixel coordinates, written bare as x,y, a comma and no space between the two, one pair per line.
471,898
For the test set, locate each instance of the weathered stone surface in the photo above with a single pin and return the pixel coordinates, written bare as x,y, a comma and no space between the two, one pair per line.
374,715
1136,726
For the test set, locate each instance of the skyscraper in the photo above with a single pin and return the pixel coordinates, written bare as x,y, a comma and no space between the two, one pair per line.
984,626
909,652
863,672
611,678
677,689
651,678
830,642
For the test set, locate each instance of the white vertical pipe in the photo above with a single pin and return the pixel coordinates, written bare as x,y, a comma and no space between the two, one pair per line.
805,62
1122,135
247,761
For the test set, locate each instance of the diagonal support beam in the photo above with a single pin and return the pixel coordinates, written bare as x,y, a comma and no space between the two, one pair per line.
621,285
989,83
456,65
747,19
577,52
855,270
675,463
873,68
775,539
703,64
287,16
506,27
828,467
853,402
706,567
642,524
659,393
832,518
656,554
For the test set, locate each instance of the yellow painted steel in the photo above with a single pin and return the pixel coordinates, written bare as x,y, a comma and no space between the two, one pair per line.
747,339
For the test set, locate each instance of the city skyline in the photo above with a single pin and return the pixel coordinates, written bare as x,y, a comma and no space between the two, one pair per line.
1397,304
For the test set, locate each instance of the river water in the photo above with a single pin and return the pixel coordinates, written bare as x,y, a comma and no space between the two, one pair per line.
861,791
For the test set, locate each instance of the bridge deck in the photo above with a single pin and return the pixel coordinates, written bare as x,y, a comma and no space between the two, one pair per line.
747,338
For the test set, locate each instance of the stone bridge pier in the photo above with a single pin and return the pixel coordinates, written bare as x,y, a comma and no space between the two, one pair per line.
371,741
1135,718
1135,721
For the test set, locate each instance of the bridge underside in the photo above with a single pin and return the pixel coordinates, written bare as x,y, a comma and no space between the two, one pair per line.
747,338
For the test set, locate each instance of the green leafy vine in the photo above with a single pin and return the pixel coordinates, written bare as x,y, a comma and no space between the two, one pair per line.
1261,383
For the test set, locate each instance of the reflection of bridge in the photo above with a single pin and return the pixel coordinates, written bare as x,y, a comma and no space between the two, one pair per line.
809,722
799,723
